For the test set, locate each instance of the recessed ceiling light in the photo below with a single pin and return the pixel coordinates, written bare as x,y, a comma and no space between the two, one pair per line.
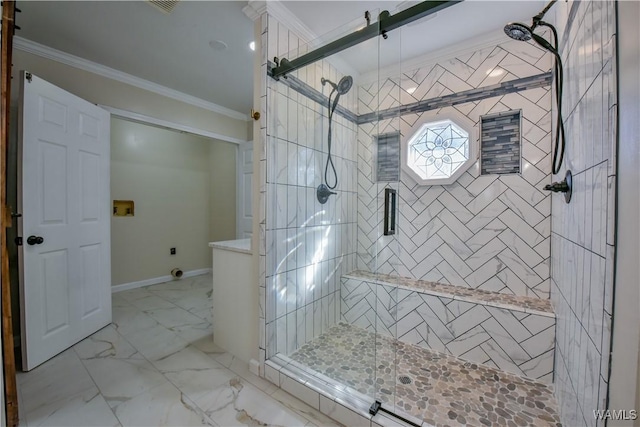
411,90
218,45
495,72
252,45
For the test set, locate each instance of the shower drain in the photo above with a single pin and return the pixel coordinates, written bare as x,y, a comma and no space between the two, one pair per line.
404,379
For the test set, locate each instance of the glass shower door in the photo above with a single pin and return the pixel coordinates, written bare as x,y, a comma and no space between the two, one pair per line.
324,311
386,147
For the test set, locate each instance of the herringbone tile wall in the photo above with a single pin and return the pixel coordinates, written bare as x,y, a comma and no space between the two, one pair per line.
489,232
510,340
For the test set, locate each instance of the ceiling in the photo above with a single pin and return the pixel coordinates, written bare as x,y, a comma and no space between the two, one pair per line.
174,50
454,25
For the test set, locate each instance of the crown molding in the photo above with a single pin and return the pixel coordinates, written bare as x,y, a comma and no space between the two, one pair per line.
282,14
278,10
254,9
111,73
430,59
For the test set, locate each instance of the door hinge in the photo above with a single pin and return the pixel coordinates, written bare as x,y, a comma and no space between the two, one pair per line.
28,76
18,241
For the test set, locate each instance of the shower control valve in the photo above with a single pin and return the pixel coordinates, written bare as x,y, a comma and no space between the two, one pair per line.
564,186
323,193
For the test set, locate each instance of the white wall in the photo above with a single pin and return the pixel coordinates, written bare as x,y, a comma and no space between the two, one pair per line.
170,177
624,393
223,177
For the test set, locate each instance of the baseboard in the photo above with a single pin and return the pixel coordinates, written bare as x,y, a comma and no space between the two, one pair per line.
156,280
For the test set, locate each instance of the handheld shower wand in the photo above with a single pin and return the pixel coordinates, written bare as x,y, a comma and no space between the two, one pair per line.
343,86
523,32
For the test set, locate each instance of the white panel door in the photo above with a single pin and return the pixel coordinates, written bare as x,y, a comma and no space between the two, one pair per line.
64,197
244,211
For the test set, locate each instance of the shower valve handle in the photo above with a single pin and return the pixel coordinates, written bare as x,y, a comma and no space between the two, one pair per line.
557,187
323,193
565,186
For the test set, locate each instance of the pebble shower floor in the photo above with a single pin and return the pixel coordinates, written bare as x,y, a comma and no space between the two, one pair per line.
442,390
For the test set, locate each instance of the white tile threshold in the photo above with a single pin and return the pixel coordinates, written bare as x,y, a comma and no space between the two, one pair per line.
339,402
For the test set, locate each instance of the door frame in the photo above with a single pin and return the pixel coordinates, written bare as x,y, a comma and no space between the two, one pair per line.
240,189
152,121
10,391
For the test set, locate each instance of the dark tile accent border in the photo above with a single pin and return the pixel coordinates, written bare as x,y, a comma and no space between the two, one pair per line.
306,90
478,94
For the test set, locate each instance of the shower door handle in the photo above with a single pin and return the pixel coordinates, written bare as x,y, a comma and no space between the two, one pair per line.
389,211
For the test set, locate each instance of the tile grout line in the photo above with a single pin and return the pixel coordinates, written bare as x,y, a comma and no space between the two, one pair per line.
93,381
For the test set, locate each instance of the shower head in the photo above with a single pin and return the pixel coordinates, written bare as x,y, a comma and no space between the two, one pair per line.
522,32
518,31
343,85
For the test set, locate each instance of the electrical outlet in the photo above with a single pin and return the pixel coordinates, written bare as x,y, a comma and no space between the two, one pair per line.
172,251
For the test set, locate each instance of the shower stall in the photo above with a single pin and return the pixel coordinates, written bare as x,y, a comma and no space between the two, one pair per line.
405,232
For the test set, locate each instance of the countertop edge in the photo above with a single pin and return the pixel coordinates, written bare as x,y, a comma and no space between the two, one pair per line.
231,245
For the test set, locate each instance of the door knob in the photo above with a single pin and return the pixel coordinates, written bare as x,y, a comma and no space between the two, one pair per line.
35,240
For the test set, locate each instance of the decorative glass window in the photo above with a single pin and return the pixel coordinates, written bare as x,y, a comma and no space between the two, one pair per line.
439,151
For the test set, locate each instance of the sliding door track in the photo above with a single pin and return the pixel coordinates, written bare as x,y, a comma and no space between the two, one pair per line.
377,406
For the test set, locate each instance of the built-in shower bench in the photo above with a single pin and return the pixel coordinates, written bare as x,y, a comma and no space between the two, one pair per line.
512,333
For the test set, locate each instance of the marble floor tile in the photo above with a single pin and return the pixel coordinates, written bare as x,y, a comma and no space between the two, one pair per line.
61,393
128,320
117,300
239,367
53,384
88,410
198,301
151,302
119,380
156,342
156,365
107,342
238,403
206,314
207,346
315,417
161,406
188,358
200,384
135,294
193,333
173,317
